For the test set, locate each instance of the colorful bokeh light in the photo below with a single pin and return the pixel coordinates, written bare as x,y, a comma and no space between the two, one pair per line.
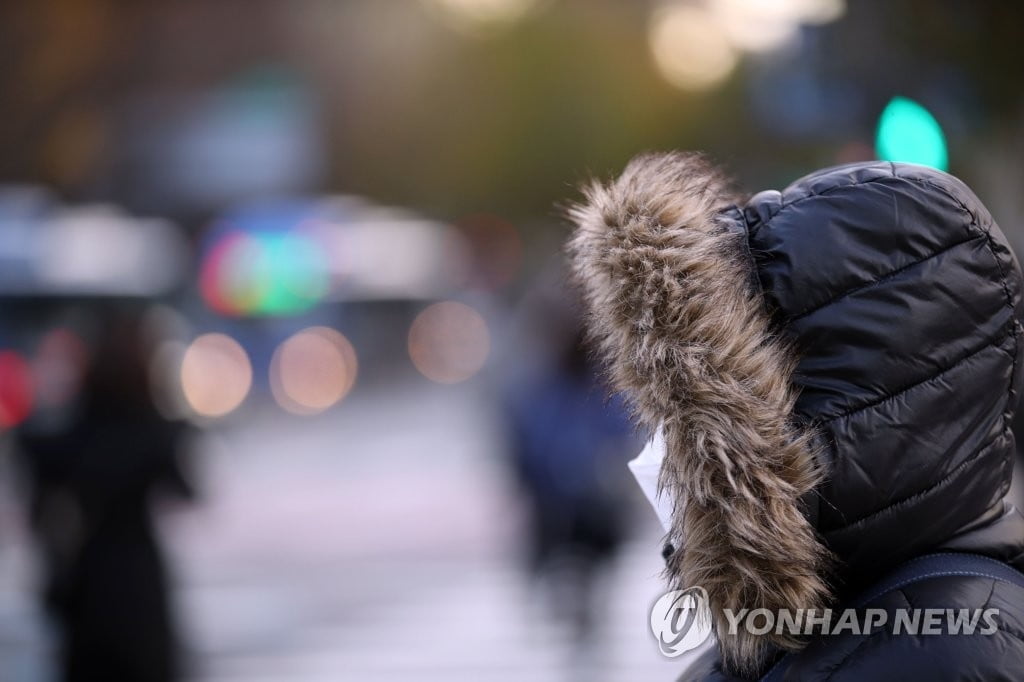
908,132
270,265
16,391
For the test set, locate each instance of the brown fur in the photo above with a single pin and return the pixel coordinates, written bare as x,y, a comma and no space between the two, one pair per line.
673,315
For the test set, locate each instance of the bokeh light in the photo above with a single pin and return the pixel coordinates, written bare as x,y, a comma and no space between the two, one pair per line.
818,11
763,25
480,16
449,342
16,393
215,375
223,280
756,25
690,47
908,132
312,370
264,273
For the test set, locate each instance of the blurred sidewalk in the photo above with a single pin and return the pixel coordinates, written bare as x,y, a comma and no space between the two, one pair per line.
373,543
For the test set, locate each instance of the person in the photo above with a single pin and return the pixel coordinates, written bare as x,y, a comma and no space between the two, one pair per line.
566,448
91,483
835,369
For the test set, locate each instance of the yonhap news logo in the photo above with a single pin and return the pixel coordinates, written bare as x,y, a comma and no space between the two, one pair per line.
830,623
681,621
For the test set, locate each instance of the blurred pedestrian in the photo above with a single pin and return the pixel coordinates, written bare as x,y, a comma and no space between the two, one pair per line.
568,447
92,478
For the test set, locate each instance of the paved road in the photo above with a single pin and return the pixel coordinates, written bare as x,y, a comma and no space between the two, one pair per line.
372,544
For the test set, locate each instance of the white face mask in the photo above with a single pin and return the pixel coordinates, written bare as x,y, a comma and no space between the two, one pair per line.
646,467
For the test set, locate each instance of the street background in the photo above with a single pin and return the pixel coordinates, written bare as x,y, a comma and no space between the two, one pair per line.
291,384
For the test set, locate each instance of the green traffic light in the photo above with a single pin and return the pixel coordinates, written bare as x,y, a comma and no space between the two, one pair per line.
908,132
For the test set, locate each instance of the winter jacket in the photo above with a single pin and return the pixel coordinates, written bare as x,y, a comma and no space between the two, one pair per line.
836,367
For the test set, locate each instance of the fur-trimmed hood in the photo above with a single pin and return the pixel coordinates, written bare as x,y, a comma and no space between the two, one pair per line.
816,415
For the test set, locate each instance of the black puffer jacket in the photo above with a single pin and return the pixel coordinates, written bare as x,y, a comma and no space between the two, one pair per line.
836,367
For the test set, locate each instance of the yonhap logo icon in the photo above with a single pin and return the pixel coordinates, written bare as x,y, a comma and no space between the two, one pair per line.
681,621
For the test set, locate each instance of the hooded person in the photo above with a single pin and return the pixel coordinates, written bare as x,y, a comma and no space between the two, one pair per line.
834,369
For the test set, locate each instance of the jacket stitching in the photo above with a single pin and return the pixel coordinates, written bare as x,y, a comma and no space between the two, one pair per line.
825,192
838,666
871,181
885,397
927,491
986,232
940,574
973,226
1000,626
887,276
989,242
991,593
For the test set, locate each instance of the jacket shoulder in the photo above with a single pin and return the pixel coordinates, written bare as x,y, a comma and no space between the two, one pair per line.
948,628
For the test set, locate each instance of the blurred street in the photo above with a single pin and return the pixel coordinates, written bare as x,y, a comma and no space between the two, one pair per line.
356,547
294,383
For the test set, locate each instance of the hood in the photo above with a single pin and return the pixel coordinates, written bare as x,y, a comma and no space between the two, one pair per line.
835,367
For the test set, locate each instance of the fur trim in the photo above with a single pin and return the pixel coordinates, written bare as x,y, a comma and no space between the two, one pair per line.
672,313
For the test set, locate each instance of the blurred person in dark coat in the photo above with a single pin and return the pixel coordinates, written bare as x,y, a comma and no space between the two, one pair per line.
569,447
91,481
